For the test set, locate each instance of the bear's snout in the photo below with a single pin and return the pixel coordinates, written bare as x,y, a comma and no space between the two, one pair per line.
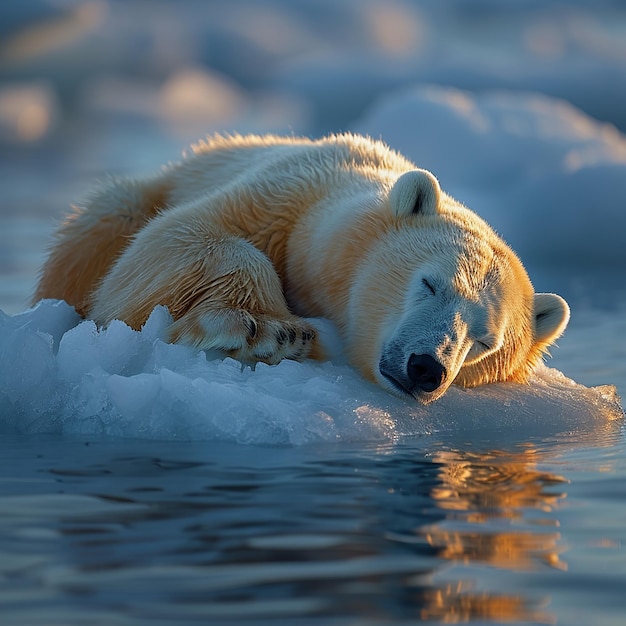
425,373
422,374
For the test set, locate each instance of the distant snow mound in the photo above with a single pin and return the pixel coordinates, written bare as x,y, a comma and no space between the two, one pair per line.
59,374
550,179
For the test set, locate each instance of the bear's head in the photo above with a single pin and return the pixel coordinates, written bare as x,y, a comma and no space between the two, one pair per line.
455,304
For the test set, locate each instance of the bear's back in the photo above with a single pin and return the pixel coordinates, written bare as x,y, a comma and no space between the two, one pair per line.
280,167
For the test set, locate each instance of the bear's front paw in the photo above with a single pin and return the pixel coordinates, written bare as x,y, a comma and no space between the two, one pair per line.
244,336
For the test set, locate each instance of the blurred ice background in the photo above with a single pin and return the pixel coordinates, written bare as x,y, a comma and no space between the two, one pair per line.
518,106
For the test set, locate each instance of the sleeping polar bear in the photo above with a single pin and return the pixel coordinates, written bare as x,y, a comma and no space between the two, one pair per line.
248,236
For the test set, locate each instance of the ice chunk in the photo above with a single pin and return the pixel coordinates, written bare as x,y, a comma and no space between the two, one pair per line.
125,383
52,317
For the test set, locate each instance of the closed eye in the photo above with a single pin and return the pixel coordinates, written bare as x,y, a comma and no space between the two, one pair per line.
479,350
428,286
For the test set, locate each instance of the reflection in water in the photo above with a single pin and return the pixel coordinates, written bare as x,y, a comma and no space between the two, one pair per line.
385,534
454,605
494,503
495,484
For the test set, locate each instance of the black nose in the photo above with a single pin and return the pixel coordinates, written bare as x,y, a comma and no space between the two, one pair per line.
424,372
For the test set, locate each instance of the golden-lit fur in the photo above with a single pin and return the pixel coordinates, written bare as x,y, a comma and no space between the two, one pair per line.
247,236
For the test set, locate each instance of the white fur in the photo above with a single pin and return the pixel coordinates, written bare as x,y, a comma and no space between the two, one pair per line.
248,237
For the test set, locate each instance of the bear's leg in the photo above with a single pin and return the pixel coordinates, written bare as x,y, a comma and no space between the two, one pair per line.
222,292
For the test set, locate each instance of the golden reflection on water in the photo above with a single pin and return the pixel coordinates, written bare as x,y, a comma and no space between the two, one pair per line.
455,605
501,512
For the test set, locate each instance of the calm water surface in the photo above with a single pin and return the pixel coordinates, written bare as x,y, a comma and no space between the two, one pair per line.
125,532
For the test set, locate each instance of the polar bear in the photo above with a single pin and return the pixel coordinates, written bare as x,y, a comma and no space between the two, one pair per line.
248,236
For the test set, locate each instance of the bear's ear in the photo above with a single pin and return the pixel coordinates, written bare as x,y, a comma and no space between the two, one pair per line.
551,317
415,192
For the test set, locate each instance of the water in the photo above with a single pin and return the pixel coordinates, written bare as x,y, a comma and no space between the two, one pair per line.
136,532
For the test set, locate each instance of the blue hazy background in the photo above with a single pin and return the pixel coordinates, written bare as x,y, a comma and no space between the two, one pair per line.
523,116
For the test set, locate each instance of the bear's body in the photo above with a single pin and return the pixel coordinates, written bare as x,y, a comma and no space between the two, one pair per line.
247,236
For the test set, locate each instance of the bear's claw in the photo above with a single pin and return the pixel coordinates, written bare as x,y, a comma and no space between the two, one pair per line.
246,337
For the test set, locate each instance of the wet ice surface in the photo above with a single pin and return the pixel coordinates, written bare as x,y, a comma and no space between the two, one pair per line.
59,374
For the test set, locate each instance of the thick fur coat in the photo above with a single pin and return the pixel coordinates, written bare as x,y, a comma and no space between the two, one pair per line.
249,236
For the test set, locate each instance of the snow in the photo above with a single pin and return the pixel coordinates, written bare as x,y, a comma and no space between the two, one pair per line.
517,107
62,375
519,160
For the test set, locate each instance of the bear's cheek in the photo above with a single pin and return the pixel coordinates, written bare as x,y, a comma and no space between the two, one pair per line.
505,364
474,374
